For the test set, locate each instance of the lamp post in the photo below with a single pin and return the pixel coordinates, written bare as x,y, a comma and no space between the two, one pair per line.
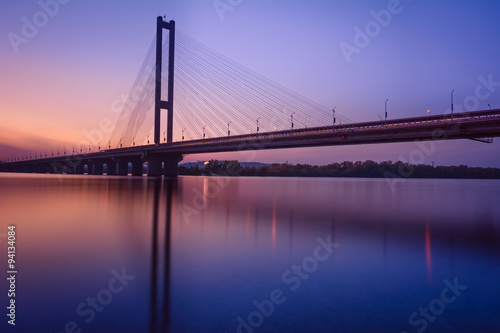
204,131
258,125
165,136
429,112
387,100
292,119
148,137
183,134
133,141
334,120
489,106
228,131
452,93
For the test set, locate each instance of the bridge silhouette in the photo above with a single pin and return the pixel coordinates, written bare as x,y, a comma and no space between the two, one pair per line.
212,92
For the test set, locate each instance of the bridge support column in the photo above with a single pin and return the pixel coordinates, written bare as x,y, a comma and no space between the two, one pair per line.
171,164
96,168
122,167
111,167
155,167
78,169
137,167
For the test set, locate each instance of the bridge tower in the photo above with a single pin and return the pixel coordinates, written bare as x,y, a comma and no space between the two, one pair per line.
159,103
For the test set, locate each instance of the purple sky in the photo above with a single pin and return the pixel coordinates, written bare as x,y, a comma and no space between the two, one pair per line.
61,80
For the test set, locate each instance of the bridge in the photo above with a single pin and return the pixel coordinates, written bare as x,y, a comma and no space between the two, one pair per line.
212,90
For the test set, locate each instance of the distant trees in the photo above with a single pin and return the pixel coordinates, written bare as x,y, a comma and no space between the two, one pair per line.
344,169
213,167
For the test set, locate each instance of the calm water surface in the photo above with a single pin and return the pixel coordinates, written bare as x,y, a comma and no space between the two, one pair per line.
209,254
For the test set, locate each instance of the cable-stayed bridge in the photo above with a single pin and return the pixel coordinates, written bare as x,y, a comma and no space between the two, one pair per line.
222,106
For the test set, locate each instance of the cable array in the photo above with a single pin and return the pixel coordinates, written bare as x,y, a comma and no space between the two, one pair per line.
213,95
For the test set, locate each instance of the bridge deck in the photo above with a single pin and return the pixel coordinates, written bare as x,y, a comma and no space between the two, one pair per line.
466,125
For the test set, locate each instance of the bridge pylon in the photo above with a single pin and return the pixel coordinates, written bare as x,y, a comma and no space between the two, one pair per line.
169,103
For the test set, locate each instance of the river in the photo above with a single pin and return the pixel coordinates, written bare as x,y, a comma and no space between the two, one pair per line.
214,254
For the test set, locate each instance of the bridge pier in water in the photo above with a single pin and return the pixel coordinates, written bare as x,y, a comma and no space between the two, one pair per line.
111,167
137,169
96,168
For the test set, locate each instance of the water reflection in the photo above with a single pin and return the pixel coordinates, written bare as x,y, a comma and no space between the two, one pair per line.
203,250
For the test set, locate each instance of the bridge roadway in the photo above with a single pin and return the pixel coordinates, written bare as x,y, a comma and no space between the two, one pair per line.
164,158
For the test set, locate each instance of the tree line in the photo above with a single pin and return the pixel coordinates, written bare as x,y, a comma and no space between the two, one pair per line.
366,169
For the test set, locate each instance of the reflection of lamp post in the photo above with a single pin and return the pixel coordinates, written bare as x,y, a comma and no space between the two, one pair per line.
258,125
228,131
292,119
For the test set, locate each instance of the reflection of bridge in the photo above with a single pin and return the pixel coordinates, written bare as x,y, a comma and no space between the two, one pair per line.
211,94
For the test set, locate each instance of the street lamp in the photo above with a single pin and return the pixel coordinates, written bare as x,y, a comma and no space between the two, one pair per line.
429,112
228,131
109,144
183,134
292,119
165,136
120,143
148,137
204,131
258,125
387,100
452,92
334,120
380,117
133,141
489,106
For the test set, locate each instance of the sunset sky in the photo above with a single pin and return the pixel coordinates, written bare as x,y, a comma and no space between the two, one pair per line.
64,64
